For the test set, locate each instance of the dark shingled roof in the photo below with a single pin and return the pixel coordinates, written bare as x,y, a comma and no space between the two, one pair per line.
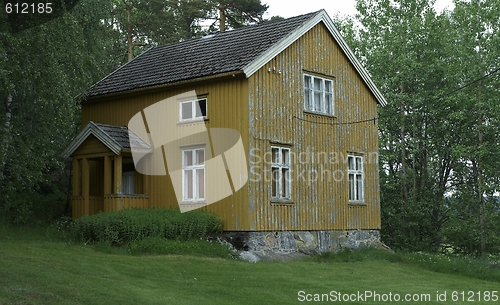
222,52
119,134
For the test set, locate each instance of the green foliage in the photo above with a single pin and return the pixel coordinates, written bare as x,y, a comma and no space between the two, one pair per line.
119,228
160,246
403,228
44,205
240,13
141,24
462,232
440,132
42,70
480,268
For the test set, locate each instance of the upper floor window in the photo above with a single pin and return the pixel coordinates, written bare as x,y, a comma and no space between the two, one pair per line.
318,94
355,171
193,110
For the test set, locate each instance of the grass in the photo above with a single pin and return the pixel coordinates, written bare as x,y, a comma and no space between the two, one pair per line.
38,267
482,269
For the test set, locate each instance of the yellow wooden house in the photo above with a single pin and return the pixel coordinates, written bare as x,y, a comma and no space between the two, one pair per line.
305,109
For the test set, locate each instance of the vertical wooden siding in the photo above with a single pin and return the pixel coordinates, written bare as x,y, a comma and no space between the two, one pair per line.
227,108
276,97
262,109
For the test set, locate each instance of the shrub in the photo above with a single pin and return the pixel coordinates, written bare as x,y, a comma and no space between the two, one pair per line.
122,227
160,246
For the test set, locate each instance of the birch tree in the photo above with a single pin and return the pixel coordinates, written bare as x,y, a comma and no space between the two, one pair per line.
42,70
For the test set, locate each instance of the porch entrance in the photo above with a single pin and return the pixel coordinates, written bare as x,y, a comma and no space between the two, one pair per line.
104,176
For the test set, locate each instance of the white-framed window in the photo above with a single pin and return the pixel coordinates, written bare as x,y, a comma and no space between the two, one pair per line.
318,94
355,172
193,109
280,173
128,182
193,174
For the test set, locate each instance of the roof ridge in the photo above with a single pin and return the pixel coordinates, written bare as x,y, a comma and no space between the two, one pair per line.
109,125
232,31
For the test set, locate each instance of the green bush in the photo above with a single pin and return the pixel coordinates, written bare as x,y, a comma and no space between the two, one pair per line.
125,226
160,246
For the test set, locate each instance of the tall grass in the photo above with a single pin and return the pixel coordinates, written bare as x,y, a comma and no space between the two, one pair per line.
151,232
125,226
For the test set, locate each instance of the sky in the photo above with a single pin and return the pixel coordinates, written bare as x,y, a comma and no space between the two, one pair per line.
290,8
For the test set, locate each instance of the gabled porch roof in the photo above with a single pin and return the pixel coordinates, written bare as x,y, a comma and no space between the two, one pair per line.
117,138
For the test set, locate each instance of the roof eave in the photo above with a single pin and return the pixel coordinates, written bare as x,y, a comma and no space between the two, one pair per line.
260,61
93,98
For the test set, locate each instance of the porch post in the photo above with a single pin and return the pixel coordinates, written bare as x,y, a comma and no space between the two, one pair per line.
85,185
107,175
76,177
118,175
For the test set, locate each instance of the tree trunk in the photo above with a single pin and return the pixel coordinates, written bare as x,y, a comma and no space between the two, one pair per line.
6,136
414,157
222,16
130,42
404,188
480,173
5,142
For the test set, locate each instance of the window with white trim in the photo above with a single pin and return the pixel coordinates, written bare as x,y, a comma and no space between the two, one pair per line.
318,94
128,182
355,171
280,172
193,110
193,174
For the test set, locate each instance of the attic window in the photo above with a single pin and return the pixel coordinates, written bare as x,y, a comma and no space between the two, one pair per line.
318,94
193,110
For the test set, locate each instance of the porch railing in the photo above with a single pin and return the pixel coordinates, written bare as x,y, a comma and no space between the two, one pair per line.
111,202
116,202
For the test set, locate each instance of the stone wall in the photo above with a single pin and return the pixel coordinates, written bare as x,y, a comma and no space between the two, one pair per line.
254,246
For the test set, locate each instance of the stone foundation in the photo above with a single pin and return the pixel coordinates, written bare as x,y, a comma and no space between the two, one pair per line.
254,246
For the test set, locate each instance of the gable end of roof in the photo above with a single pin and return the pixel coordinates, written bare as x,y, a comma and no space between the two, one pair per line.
321,16
92,129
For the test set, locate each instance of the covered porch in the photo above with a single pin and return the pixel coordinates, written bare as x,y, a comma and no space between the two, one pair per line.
103,173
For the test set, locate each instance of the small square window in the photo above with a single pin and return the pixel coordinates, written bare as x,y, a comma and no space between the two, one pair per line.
318,94
193,110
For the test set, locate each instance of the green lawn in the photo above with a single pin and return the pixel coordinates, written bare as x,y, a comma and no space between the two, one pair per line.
37,270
